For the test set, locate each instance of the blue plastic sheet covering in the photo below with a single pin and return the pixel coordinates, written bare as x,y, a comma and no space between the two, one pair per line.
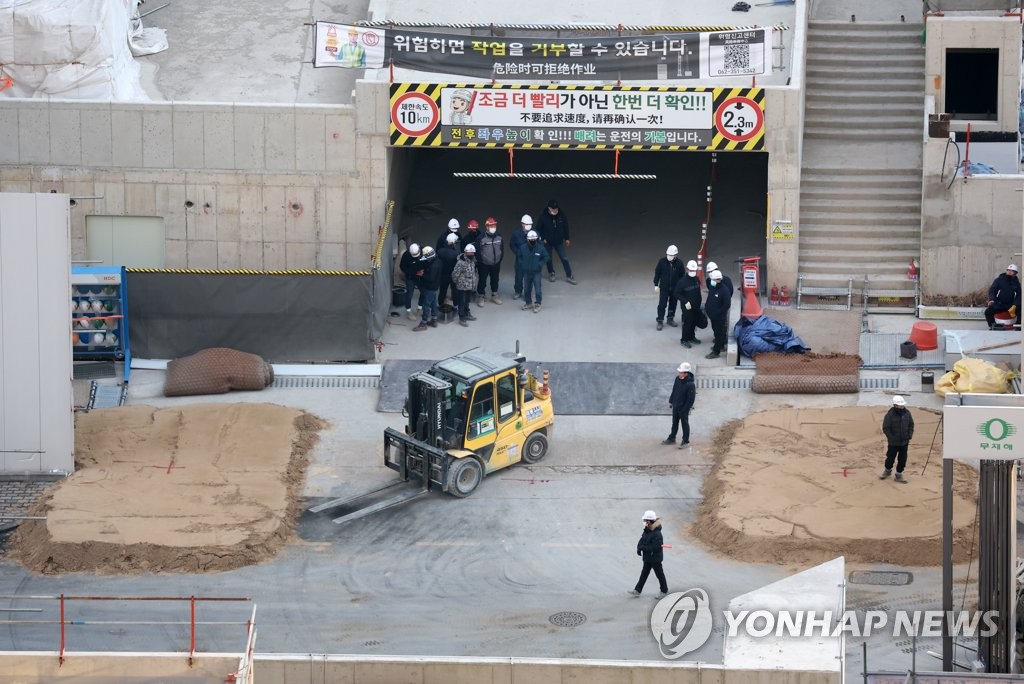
764,334
976,169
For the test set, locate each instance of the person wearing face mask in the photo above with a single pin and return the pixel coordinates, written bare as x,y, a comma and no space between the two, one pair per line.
726,280
532,257
667,273
716,306
490,250
687,292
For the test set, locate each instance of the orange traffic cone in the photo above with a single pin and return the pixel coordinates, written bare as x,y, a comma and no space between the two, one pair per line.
751,307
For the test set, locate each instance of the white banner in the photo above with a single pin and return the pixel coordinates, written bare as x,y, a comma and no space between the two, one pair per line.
983,432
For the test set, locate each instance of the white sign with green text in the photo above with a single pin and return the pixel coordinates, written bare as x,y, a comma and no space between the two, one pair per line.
983,432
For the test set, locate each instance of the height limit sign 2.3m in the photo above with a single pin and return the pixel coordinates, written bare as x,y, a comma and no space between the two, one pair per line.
415,114
739,119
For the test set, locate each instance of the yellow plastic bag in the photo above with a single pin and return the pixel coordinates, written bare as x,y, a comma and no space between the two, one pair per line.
973,376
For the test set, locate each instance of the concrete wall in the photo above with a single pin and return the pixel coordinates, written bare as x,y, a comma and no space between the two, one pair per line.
239,186
972,230
343,669
976,32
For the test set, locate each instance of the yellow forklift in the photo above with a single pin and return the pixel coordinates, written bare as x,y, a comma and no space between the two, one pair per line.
467,416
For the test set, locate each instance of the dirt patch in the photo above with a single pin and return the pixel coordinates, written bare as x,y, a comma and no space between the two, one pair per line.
978,298
800,486
201,488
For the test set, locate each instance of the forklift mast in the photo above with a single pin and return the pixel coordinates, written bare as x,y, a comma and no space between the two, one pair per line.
426,409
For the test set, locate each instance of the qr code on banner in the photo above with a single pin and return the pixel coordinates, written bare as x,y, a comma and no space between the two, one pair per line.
737,59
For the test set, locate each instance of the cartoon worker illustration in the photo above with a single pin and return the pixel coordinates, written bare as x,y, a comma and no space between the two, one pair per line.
462,107
352,55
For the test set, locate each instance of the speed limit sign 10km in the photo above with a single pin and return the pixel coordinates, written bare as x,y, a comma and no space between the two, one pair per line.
415,114
739,119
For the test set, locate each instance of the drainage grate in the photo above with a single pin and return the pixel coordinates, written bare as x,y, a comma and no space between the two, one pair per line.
723,383
92,371
567,618
885,578
361,382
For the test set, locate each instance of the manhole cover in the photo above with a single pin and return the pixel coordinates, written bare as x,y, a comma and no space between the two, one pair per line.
567,618
882,577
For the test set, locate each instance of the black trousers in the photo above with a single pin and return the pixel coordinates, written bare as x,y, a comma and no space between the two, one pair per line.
658,572
897,454
990,314
677,418
461,298
689,319
486,272
665,298
720,326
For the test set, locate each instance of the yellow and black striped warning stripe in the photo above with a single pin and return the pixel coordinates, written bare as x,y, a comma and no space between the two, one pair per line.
719,141
246,271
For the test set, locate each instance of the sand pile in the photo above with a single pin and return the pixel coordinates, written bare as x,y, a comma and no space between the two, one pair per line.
800,486
201,488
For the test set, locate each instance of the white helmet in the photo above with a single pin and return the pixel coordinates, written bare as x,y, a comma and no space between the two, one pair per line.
899,401
672,250
414,250
470,248
712,266
453,224
452,238
650,515
532,235
716,275
526,220
691,265
684,367
1013,267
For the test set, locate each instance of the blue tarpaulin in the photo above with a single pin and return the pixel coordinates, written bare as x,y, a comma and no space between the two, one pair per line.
765,334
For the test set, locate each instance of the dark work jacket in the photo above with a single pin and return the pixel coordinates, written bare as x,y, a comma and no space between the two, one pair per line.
684,391
448,257
667,274
725,284
898,426
1005,290
553,230
688,290
409,265
431,278
443,241
649,546
532,259
517,240
718,301
470,238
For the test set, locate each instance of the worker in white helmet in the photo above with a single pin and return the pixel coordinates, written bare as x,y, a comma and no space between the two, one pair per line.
453,229
409,264
650,549
716,306
687,292
532,257
517,240
898,428
667,273
684,392
1003,295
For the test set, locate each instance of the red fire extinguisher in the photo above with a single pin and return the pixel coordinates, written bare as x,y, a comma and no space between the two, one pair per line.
773,297
784,296
912,270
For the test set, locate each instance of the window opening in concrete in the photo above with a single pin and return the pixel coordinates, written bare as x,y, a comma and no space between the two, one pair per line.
130,241
972,83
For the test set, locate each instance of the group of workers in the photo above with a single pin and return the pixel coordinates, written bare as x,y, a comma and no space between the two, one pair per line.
469,264
679,285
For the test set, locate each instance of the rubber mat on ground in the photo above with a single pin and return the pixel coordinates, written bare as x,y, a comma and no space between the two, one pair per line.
582,389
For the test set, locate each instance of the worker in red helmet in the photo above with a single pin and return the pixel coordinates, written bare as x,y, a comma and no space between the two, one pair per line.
490,250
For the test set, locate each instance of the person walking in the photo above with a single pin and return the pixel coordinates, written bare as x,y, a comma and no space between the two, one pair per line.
518,240
684,391
409,264
667,273
649,548
687,292
447,255
453,229
464,283
532,257
1002,295
716,306
553,228
489,253
898,427
429,280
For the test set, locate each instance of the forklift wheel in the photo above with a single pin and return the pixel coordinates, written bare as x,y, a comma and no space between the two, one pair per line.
536,448
464,475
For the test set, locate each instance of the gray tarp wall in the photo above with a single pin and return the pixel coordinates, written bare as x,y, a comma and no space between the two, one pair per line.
289,317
